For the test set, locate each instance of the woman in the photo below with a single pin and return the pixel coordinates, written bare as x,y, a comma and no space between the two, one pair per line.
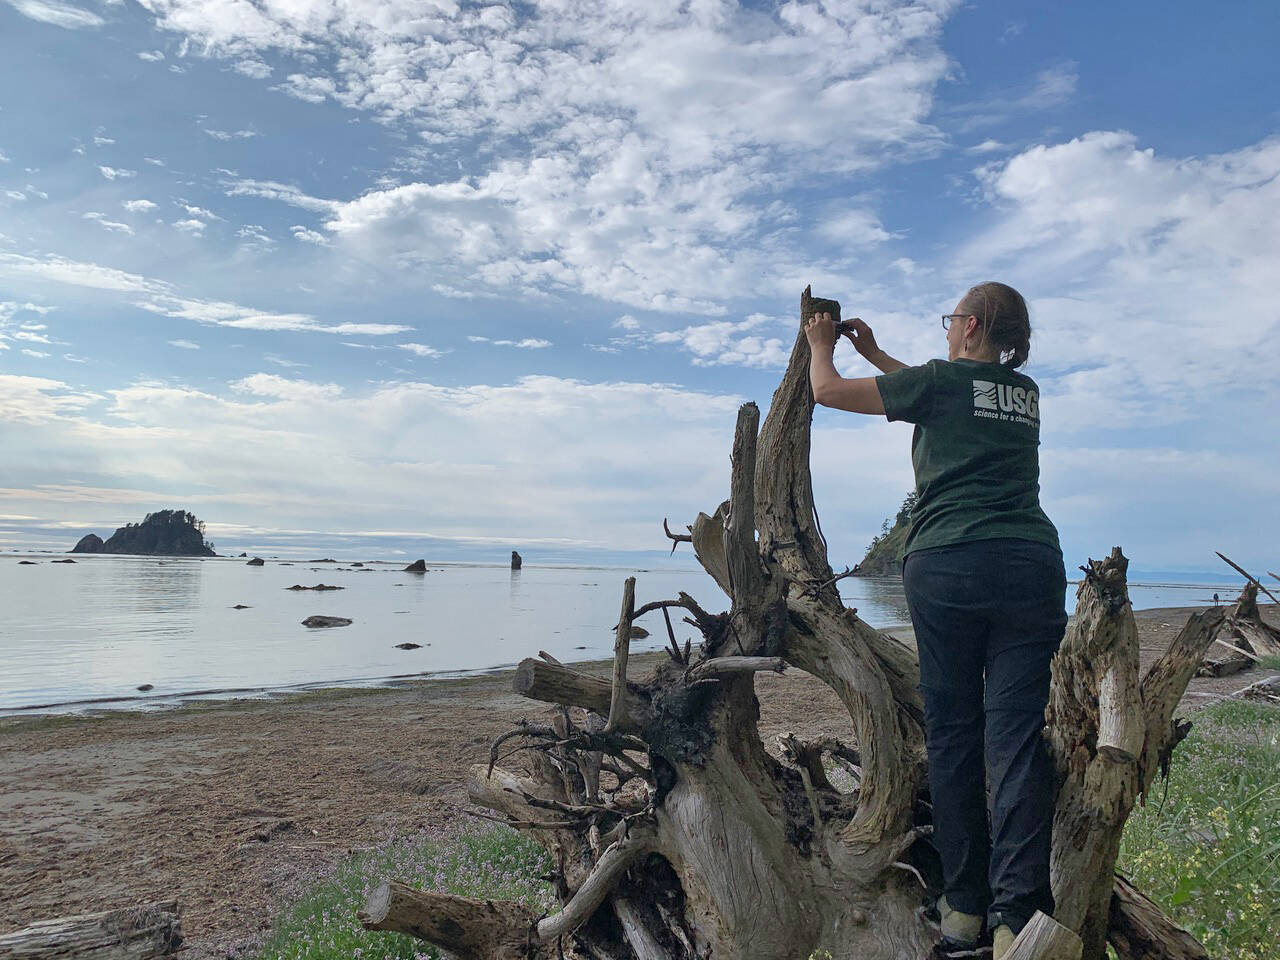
986,588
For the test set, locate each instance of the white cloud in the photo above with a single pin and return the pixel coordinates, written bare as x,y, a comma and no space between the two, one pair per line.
152,56
57,13
138,206
987,146
254,69
448,452
4,157
646,136
193,227
233,315
309,236
115,173
254,235
31,337
421,349
1154,293
183,344
224,135
201,212
15,195
102,141
37,193
284,192
154,161
102,221
730,343
60,270
40,355
627,322
528,343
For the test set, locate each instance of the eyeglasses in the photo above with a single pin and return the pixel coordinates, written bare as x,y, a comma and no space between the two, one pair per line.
948,317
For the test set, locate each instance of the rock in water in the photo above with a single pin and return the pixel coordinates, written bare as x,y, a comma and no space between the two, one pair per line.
241,606
145,687
515,560
418,566
318,621
256,562
357,564
89,543
63,561
26,563
408,646
318,586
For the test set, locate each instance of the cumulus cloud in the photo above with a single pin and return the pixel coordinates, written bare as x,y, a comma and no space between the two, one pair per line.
1153,274
254,69
730,343
193,227
115,173
57,13
528,343
138,206
633,143
421,350
309,236
151,56
102,221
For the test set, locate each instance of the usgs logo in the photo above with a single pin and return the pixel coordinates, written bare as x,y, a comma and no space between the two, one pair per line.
1005,398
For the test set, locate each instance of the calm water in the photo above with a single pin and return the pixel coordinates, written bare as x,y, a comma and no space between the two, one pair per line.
97,629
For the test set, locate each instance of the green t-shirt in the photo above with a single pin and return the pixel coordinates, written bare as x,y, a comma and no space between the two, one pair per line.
974,452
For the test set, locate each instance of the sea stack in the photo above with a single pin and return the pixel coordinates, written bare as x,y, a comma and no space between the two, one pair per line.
89,543
418,566
256,562
515,560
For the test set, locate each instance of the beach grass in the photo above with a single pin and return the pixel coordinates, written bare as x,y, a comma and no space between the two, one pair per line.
1206,847
489,861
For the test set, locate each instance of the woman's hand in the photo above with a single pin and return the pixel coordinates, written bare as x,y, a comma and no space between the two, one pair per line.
821,333
863,340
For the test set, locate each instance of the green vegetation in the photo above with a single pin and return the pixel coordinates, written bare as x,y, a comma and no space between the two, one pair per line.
1270,663
884,555
1208,850
491,862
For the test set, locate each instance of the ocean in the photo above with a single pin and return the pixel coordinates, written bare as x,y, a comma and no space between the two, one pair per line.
86,635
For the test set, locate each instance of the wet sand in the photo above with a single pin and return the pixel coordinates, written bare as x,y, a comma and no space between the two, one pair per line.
228,806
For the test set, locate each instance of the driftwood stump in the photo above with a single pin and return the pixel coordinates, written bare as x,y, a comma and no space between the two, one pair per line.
676,835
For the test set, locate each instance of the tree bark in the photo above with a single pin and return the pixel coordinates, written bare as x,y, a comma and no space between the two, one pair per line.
676,835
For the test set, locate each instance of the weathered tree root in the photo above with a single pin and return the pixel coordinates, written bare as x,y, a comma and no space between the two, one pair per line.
675,835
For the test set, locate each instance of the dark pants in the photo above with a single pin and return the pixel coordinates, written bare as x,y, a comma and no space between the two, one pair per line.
988,617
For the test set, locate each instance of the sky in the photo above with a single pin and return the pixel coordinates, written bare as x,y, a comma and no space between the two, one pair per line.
440,279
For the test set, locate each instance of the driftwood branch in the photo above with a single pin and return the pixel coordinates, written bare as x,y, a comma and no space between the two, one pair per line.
621,649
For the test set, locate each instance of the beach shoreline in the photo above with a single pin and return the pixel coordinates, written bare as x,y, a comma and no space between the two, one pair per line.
228,805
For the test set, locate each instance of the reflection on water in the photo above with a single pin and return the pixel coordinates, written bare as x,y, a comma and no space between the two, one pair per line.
101,627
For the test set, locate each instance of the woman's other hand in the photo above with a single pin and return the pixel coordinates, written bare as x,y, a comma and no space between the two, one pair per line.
821,333
862,338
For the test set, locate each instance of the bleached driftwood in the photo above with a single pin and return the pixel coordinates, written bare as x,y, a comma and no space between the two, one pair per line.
675,835
131,933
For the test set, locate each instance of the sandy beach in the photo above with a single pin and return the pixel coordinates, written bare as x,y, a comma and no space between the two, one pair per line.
228,806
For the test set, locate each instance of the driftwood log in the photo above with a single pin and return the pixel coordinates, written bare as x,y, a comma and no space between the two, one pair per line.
132,933
674,833
1244,637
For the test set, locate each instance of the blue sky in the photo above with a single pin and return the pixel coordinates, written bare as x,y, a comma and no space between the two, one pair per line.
452,278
